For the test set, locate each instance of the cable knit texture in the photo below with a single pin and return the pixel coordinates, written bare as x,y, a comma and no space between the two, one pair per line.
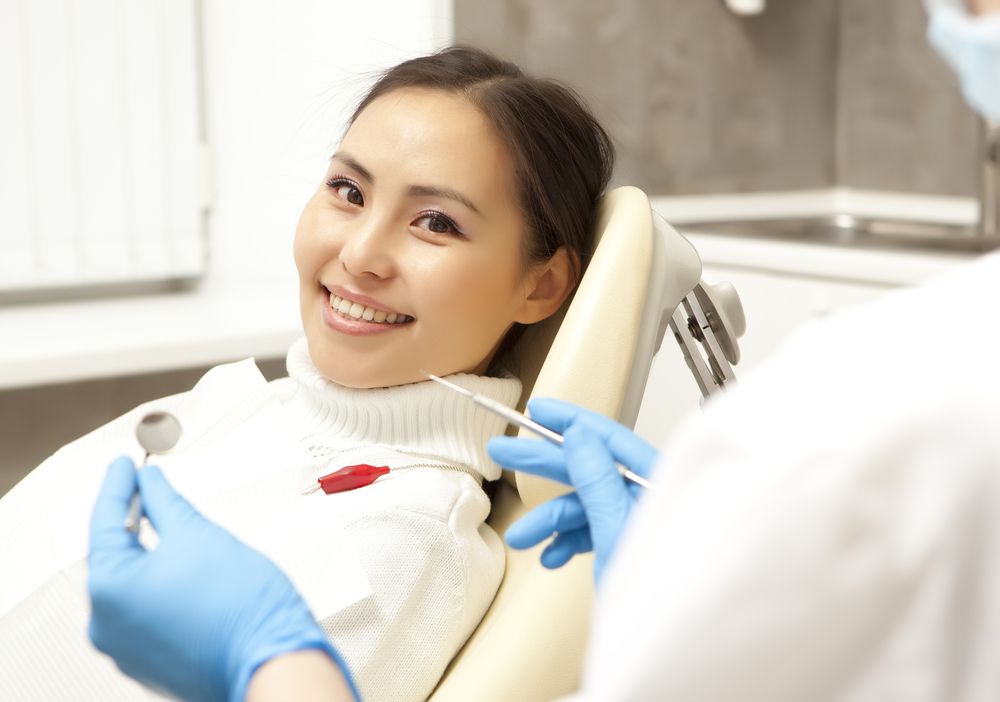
432,563
422,422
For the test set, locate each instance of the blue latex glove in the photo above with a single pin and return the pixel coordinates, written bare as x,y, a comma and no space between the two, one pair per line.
592,517
202,611
971,45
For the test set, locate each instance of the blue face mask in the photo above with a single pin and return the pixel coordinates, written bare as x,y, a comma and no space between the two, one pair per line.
972,46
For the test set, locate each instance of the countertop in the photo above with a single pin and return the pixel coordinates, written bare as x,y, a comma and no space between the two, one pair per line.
57,342
70,340
882,267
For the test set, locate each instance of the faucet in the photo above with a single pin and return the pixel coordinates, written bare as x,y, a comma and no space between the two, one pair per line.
989,195
745,7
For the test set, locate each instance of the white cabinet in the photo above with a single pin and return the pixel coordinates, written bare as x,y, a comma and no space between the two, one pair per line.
777,301
776,304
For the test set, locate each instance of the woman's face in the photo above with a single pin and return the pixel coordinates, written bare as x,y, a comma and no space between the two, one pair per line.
409,252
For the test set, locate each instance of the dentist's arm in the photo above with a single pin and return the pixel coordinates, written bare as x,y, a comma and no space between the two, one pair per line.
594,515
304,676
202,615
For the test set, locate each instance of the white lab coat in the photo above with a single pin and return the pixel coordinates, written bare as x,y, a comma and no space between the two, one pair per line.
831,529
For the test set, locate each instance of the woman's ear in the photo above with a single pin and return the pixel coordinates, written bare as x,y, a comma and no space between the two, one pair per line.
548,286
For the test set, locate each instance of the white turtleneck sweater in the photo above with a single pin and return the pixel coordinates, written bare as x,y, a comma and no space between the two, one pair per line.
415,540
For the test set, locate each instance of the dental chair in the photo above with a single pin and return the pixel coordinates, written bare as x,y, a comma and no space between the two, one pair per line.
643,277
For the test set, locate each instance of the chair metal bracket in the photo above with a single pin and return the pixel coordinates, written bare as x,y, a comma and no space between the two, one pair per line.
694,325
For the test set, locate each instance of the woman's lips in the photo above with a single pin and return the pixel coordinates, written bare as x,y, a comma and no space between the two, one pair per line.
359,326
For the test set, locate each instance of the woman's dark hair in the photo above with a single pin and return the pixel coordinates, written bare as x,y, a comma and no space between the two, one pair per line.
562,156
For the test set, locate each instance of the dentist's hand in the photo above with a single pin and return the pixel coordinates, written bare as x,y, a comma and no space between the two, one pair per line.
592,517
198,614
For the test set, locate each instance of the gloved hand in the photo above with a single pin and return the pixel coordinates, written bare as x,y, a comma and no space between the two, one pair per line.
594,515
971,45
198,614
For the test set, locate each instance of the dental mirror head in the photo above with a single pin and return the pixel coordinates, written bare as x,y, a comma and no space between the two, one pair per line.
158,432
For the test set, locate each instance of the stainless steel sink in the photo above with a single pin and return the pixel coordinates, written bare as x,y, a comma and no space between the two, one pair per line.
847,230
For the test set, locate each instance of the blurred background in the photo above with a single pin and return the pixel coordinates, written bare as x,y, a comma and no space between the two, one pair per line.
155,154
807,94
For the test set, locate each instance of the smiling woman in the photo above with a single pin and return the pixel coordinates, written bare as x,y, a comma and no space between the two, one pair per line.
452,205
457,210
418,218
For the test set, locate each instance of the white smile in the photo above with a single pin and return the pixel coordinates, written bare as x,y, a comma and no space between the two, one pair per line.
355,310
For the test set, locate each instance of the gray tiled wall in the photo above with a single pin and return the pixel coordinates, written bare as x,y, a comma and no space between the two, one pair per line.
901,121
810,94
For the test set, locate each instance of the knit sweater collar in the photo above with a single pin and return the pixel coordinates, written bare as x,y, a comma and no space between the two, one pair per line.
420,422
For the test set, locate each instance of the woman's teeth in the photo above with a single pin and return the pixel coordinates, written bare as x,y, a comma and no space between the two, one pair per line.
356,310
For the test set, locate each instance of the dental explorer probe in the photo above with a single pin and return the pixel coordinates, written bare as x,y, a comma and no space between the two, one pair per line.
523,421
156,432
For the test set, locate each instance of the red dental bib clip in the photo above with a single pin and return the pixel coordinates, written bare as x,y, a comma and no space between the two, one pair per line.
347,478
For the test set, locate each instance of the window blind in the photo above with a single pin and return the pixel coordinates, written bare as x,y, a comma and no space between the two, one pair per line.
100,148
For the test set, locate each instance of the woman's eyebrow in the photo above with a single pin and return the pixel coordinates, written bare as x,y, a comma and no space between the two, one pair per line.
447,193
354,164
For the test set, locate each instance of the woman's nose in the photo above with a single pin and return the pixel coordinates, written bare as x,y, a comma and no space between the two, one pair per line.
367,250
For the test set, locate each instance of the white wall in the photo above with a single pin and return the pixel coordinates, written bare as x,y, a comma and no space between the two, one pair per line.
280,79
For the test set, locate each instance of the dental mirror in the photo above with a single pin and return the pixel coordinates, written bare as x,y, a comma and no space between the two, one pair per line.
157,432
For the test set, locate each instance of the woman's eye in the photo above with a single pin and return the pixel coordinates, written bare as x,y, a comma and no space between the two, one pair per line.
346,191
437,223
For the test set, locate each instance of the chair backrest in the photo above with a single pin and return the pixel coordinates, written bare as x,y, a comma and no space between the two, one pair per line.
597,353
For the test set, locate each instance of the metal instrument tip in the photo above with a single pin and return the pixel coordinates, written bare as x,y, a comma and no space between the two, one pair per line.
450,385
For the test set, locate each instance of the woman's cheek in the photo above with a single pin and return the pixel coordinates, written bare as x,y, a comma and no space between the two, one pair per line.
298,255
303,247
